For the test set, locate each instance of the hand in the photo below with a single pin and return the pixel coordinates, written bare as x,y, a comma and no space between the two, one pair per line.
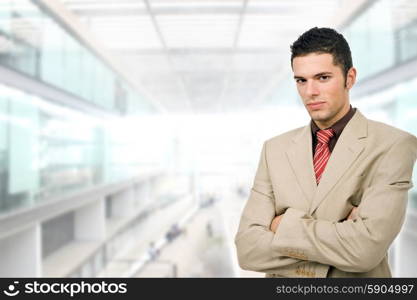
275,223
353,214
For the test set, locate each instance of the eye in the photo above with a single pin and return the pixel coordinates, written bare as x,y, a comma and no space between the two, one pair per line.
324,77
300,80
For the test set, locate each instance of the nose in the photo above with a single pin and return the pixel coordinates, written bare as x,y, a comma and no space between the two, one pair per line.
312,88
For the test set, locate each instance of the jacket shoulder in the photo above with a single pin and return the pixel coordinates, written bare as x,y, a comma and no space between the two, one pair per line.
284,138
387,132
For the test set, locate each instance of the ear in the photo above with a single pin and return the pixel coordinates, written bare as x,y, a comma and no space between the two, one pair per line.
350,78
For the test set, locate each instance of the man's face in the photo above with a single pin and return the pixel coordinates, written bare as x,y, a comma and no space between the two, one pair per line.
321,86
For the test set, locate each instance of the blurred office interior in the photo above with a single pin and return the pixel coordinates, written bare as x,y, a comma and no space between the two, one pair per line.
131,130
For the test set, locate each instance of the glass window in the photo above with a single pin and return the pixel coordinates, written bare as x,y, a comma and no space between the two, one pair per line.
407,42
5,15
34,43
72,63
371,39
52,59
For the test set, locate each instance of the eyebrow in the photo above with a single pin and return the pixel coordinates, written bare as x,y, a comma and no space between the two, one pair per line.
316,75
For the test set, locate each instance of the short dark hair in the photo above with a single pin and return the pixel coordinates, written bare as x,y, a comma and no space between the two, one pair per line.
324,40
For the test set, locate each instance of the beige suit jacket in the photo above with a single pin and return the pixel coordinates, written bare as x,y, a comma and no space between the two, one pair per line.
370,167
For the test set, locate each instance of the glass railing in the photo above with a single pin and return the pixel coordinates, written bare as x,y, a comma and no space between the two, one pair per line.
48,151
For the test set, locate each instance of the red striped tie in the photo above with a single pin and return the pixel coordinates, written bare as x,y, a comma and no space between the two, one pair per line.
322,154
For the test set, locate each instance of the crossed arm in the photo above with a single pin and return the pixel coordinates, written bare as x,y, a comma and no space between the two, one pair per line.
275,222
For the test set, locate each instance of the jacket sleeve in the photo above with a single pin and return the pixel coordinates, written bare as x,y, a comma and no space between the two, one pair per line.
254,238
357,245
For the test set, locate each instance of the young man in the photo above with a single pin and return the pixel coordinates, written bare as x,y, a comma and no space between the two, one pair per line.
329,198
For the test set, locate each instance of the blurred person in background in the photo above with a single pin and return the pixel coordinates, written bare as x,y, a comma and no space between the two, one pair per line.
328,198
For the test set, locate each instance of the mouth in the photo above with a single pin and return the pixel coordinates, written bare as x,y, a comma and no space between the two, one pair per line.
315,105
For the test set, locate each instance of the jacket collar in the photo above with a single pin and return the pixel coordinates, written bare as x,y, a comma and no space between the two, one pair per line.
350,144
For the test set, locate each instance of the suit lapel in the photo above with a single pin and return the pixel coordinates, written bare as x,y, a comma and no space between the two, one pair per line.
300,156
348,147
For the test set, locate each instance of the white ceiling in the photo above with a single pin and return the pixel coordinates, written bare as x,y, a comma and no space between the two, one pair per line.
204,56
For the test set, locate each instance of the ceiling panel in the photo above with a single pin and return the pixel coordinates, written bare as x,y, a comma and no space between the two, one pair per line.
203,55
198,31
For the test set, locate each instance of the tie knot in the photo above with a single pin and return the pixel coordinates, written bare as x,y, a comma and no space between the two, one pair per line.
323,136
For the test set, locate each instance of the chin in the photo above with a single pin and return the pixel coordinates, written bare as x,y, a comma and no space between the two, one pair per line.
318,115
